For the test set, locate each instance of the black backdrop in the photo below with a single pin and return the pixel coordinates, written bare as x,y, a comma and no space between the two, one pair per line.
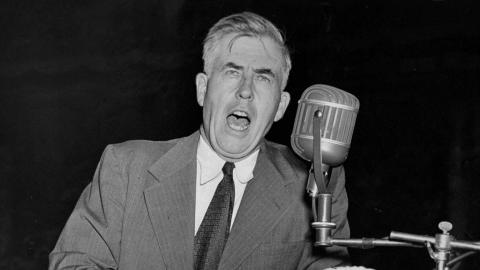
77,75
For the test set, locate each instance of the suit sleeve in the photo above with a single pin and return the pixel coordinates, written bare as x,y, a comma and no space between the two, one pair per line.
91,236
335,255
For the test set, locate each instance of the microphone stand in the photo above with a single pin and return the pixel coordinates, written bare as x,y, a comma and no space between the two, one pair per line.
443,244
320,188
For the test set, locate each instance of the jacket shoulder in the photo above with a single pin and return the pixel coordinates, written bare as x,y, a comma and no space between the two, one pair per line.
144,151
285,160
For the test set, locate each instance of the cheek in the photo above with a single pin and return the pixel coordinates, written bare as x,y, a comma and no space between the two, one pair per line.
207,111
266,116
270,105
212,109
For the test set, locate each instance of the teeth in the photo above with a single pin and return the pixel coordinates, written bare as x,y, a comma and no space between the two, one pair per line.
240,113
239,128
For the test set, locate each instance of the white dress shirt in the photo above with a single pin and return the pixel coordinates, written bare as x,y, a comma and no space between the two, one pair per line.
209,174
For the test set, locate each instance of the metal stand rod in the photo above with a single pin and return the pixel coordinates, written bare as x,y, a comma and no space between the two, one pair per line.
428,239
367,243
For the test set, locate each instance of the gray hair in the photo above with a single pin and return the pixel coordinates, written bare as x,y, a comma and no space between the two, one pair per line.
244,24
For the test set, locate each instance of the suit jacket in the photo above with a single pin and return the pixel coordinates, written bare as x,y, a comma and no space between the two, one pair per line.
138,213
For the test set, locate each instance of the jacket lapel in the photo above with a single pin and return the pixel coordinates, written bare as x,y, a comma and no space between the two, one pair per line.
263,204
171,203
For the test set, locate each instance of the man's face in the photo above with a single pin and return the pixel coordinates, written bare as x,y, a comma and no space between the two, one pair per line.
242,96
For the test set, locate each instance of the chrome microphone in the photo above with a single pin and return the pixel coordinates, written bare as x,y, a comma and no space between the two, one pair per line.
339,110
322,134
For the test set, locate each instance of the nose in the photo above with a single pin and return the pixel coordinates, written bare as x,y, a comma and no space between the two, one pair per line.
245,90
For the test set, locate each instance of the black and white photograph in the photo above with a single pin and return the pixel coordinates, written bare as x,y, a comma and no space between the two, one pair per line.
239,135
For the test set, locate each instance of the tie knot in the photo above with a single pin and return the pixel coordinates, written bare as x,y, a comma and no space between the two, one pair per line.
228,168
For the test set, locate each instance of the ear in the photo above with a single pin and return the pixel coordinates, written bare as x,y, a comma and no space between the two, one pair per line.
201,81
282,106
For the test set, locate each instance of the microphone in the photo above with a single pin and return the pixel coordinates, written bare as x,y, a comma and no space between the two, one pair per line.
322,134
339,110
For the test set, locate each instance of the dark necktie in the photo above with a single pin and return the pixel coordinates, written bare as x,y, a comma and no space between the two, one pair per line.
213,232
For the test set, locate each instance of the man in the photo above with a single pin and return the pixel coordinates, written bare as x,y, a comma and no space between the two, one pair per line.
150,204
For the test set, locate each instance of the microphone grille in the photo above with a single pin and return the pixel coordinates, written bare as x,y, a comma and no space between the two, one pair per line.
339,109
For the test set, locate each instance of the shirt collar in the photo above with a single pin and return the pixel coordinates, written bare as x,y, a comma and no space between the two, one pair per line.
210,164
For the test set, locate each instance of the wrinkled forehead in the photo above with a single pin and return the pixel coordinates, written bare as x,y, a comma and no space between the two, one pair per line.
250,49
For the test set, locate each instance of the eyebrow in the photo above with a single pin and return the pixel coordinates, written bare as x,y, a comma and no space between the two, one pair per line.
233,65
265,71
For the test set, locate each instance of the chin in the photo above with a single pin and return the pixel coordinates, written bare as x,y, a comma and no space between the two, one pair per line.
236,146
234,152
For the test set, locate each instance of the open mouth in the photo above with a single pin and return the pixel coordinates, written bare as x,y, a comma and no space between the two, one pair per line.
238,120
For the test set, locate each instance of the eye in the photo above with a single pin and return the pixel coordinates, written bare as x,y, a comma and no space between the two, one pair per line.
232,72
263,78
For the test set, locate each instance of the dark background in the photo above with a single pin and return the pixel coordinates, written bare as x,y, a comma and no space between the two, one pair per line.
78,75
